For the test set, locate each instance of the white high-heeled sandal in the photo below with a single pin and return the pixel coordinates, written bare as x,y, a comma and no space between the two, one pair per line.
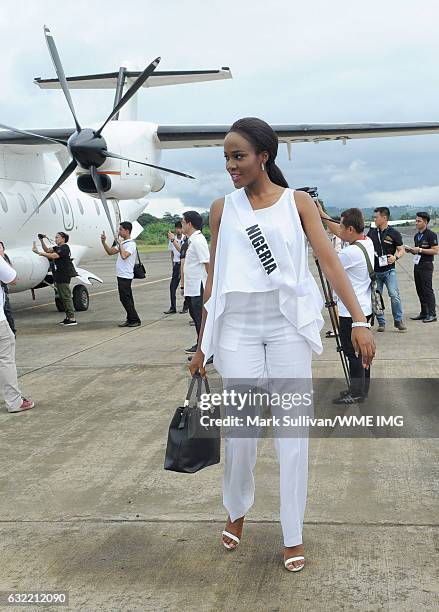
290,560
232,537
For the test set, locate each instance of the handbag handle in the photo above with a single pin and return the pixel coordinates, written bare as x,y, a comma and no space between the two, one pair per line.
196,378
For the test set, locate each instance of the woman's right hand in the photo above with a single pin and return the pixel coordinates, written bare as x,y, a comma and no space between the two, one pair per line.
197,364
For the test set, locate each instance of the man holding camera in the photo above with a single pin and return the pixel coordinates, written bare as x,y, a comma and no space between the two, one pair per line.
126,251
387,242
426,247
175,243
353,259
59,255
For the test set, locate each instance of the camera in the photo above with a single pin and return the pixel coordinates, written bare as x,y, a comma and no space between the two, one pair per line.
312,191
41,236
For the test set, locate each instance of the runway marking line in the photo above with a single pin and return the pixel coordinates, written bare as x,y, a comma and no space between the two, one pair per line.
159,280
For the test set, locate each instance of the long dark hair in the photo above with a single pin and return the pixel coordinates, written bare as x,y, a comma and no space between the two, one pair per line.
263,138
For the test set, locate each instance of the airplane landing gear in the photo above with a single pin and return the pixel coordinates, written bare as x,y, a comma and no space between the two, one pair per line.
81,298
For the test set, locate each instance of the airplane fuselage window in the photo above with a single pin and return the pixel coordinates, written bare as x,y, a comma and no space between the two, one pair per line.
22,202
98,210
53,206
66,206
3,202
80,206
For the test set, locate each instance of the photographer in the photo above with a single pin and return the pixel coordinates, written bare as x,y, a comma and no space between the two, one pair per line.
351,230
59,255
174,246
126,251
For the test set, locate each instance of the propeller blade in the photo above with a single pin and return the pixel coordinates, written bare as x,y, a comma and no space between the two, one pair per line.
67,172
60,73
26,133
98,184
134,161
131,91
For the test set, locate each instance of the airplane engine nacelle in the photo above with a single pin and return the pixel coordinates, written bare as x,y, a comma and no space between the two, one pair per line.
124,180
31,269
158,183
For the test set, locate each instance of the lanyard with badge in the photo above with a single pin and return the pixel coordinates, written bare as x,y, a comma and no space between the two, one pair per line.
382,259
417,257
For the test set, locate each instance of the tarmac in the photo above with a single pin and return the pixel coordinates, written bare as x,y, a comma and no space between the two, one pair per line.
86,506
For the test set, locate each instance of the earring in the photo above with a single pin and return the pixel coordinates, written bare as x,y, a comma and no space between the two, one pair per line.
263,167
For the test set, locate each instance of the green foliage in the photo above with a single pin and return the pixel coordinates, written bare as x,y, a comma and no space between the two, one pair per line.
156,233
146,219
156,230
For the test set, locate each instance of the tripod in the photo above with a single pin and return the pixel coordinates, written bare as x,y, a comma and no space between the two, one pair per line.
330,304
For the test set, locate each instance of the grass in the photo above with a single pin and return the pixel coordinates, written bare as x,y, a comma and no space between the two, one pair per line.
143,247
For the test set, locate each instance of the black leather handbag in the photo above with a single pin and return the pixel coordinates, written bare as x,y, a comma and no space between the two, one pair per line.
191,445
139,269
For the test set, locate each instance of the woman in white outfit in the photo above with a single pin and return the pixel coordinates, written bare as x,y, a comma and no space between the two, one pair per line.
262,313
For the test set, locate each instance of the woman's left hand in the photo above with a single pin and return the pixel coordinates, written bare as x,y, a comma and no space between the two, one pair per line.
364,344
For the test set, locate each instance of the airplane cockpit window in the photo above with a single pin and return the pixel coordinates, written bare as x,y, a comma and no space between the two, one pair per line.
98,210
22,202
3,203
34,202
80,206
52,206
66,206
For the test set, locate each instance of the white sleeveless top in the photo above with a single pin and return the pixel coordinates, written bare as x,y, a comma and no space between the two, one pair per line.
237,269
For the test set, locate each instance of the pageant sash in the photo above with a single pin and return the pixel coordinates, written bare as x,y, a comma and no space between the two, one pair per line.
260,246
256,236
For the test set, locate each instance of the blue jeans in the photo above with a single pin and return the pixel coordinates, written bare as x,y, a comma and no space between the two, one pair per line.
390,281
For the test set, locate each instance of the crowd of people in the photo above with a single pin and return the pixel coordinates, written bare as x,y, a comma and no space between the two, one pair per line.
255,305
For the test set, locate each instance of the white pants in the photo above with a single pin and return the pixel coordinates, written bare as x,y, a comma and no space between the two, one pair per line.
8,371
257,341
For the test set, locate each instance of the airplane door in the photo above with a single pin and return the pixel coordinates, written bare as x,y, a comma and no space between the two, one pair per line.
67,211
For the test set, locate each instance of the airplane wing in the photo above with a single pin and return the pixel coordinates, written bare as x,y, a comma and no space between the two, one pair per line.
186,136
158,78
7,137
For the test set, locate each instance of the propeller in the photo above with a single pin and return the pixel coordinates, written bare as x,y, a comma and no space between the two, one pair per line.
27,133
60,73
86,146
97,180
134,161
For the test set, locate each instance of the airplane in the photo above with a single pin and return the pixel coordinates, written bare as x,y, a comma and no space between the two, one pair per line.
108,169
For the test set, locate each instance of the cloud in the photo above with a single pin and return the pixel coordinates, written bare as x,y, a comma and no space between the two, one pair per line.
323,66
355,175
415,196
159,206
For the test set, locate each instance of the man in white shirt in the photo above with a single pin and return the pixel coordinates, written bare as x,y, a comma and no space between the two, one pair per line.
351,230
15,402
174,246
195,268
126,258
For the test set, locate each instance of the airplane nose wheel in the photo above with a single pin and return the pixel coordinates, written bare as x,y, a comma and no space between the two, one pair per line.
81,298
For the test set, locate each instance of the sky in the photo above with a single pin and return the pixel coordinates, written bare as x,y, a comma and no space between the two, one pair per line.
292,62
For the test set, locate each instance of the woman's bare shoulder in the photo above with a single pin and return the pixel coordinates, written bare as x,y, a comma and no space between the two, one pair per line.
216,210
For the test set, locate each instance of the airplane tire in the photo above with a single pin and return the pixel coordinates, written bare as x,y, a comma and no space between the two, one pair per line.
59,305
81,299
